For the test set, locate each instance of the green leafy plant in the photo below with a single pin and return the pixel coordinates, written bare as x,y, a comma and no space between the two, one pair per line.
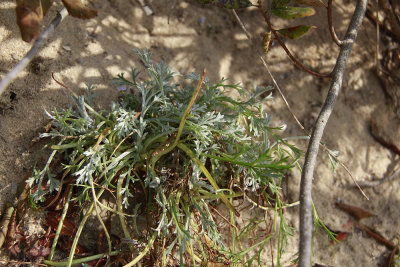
171,154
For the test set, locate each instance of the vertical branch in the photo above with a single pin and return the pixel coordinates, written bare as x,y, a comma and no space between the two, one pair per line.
306,210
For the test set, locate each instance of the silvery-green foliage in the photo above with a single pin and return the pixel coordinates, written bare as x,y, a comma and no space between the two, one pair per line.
99,147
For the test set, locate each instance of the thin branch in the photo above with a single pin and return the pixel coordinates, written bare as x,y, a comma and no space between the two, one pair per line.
374,19
282,44
377,65
331,27
391,17
306,210
11,75
377,181
270,74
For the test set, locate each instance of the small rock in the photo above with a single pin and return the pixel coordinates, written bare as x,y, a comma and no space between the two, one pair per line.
66,48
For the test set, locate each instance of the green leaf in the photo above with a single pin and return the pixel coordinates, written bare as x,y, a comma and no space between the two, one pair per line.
293,12
296,32
316,3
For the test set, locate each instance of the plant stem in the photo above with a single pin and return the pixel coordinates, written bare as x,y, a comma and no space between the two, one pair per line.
169,147
4,224
79,261
119,207
144,251
306,211
98,215
209,177
330,23
60,224
78,233
282,44
388,8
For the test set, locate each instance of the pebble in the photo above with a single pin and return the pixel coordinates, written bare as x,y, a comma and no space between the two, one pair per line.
66,48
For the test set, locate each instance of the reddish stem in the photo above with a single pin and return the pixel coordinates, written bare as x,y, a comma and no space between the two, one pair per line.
331,28
295,60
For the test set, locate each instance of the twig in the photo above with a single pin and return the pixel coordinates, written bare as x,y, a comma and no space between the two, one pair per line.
282,44
209,177
5,221
78,233
270,74
377,65
76,96
60,224
144,251
80,228
389,11
331,27
380,181
376,236
98,214
225,219
79,261
306,211
11,75
382,27
254,204
120,209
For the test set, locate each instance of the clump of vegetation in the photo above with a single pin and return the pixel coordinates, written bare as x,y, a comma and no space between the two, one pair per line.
169,154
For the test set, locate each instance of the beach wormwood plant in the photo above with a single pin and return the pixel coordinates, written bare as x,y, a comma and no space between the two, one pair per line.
173,156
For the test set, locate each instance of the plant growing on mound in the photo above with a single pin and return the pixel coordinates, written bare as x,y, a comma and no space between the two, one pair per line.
169,154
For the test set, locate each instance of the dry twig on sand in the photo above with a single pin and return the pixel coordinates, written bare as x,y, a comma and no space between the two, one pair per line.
12,74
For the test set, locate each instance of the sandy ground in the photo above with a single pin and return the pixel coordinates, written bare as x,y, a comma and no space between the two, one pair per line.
94,51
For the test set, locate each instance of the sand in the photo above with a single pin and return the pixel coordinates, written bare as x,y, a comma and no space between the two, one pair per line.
95,51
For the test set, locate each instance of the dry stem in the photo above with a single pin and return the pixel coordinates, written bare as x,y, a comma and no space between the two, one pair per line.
331,27
282,44
12,74
306,210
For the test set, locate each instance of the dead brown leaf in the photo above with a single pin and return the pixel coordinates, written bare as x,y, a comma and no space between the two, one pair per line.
354,211
28,19
29,15
78,10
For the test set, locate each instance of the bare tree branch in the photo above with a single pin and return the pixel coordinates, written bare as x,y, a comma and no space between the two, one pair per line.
12,74
306,210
